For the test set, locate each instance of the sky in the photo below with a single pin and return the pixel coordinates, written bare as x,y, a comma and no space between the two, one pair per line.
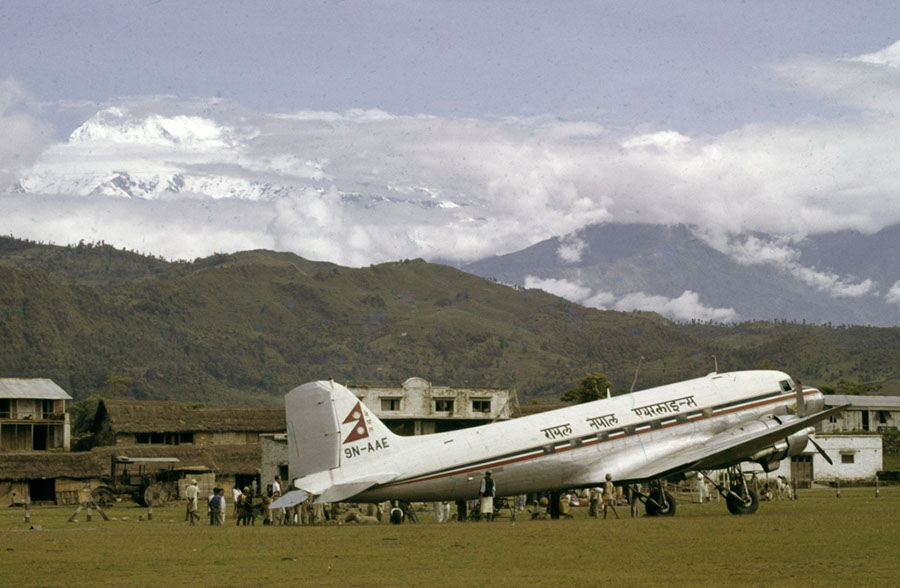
362,132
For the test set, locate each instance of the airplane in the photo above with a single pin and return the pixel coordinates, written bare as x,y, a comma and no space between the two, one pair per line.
340,452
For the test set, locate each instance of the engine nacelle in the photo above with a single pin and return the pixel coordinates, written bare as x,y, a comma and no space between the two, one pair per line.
790,446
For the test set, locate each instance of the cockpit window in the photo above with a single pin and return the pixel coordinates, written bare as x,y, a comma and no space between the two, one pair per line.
787,385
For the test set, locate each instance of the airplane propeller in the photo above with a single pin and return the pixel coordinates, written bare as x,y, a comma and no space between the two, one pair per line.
820,450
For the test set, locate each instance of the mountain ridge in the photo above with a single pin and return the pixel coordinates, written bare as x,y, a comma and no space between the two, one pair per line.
640,261
245,328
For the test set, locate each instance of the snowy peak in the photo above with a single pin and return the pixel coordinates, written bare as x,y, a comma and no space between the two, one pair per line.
118,126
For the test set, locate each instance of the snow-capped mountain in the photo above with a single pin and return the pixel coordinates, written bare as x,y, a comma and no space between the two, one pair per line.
365,187
119,154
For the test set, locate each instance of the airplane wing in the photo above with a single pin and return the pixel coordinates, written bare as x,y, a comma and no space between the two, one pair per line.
725,449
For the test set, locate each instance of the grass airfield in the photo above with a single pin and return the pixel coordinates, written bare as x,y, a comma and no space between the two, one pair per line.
816,540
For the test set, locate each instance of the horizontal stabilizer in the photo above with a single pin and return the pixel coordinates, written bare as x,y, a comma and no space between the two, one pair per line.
340,492
290,499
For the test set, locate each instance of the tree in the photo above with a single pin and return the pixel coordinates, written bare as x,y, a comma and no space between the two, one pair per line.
852,388
592,387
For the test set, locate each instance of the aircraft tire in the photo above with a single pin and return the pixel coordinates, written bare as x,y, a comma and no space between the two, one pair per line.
737,506
653,510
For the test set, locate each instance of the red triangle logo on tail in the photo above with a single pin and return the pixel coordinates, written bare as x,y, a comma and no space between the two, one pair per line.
360,431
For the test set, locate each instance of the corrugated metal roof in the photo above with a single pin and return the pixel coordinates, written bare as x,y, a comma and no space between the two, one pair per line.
38,389
871,402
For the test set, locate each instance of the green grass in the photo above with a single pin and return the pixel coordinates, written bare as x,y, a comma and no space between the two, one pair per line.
817,540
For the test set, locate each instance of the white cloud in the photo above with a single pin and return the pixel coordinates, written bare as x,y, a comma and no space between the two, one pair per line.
684,308
893,295
889,56
571,291
869,82
571,248
601,300
22,135
754,251
463,189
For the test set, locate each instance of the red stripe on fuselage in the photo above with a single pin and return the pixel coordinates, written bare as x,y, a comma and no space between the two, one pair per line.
538,452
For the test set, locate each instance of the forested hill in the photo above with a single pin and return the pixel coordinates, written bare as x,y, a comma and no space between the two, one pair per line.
246,328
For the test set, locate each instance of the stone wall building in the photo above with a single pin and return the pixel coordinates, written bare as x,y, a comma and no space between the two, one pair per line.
141,422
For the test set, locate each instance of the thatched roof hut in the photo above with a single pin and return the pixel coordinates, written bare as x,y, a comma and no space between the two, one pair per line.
144,416
224,460
29,466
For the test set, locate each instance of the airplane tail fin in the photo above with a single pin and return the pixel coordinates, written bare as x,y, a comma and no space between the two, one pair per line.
334,441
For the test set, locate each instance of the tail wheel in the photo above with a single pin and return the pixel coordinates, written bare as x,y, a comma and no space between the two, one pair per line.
103,496
657,507
742,506
156,494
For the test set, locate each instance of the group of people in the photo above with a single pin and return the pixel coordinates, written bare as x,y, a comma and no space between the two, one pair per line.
215,504
248,507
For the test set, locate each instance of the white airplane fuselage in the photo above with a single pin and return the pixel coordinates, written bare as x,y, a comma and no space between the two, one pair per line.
572,447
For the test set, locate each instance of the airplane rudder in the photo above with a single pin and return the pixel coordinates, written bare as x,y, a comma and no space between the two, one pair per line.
357,420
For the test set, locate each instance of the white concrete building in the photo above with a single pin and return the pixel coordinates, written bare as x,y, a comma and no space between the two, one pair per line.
856,458
419,408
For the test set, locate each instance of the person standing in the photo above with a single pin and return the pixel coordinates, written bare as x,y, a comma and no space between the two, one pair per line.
266,500
461,511
191,492
216,507
235,500
609,496
595,494
221,511
486,494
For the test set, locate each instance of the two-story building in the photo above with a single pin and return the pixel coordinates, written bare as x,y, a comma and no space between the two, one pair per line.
419,408
877,414
33,416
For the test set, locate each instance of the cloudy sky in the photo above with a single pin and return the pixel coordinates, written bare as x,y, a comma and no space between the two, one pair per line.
360,132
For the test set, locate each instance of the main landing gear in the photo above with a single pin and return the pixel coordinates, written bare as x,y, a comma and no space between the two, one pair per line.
658,503
740,497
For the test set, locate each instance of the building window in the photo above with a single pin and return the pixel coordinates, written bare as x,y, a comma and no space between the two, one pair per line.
46,409
846,458
390,404
179,438
5,410
481,405
443,405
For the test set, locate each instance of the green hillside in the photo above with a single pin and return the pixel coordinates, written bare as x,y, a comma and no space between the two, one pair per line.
246,328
